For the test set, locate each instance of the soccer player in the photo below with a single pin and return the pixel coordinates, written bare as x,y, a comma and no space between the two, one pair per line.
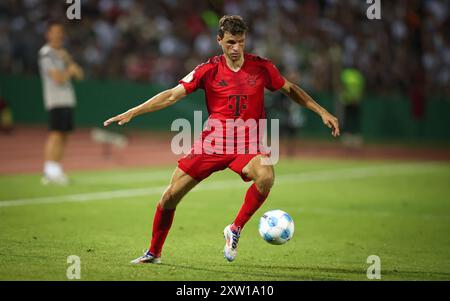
57,68
234,84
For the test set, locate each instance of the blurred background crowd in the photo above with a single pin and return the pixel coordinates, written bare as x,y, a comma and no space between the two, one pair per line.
161,41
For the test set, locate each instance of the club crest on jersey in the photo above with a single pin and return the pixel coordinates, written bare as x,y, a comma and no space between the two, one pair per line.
251,80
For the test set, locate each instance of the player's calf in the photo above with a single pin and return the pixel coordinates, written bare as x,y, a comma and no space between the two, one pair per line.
168,200
264,179
264,182
262,175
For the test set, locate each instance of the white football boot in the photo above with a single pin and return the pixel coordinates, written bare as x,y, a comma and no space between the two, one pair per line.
60,179
147,258
54,174
231,241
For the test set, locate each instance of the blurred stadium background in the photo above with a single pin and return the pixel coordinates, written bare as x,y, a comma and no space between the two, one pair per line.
396,71
131,49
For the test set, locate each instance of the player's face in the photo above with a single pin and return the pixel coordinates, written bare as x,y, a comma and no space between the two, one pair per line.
232,45
55,36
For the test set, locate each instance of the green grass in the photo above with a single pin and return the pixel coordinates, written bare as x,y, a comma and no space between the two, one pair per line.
344,211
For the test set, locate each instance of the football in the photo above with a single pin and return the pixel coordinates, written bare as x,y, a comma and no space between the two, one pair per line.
276,227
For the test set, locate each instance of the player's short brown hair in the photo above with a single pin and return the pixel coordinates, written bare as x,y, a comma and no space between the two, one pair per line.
232,24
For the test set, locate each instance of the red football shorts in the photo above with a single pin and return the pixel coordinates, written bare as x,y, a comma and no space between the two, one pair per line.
201,166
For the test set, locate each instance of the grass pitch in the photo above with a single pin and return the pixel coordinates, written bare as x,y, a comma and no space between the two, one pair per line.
344,211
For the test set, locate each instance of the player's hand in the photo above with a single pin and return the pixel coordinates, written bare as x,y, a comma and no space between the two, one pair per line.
331,122
65,56
120,119
75,71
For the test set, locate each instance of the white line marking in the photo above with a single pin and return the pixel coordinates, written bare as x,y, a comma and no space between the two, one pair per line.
312,176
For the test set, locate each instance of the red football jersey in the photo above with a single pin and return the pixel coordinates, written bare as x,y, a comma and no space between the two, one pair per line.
236,96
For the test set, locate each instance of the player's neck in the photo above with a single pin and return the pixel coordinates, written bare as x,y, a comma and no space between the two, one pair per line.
234,65
54,46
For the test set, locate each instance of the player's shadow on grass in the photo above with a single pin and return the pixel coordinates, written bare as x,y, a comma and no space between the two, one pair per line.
238,270
348,271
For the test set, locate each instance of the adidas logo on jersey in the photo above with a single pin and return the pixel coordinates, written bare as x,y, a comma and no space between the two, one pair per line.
223,83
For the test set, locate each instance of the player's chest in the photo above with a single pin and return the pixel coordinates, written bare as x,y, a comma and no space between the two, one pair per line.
223,84
57,62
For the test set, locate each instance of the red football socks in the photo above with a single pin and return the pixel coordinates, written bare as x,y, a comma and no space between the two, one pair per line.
253,200
161,225
164,217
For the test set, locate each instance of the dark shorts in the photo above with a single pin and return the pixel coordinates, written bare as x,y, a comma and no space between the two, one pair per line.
201,166
288,131
352,122
61,119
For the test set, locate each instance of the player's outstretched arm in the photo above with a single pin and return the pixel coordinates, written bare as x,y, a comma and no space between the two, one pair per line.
302,98
157,102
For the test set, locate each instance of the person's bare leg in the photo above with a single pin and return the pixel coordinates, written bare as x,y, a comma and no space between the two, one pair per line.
180,184
53,154
55,145
263,176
